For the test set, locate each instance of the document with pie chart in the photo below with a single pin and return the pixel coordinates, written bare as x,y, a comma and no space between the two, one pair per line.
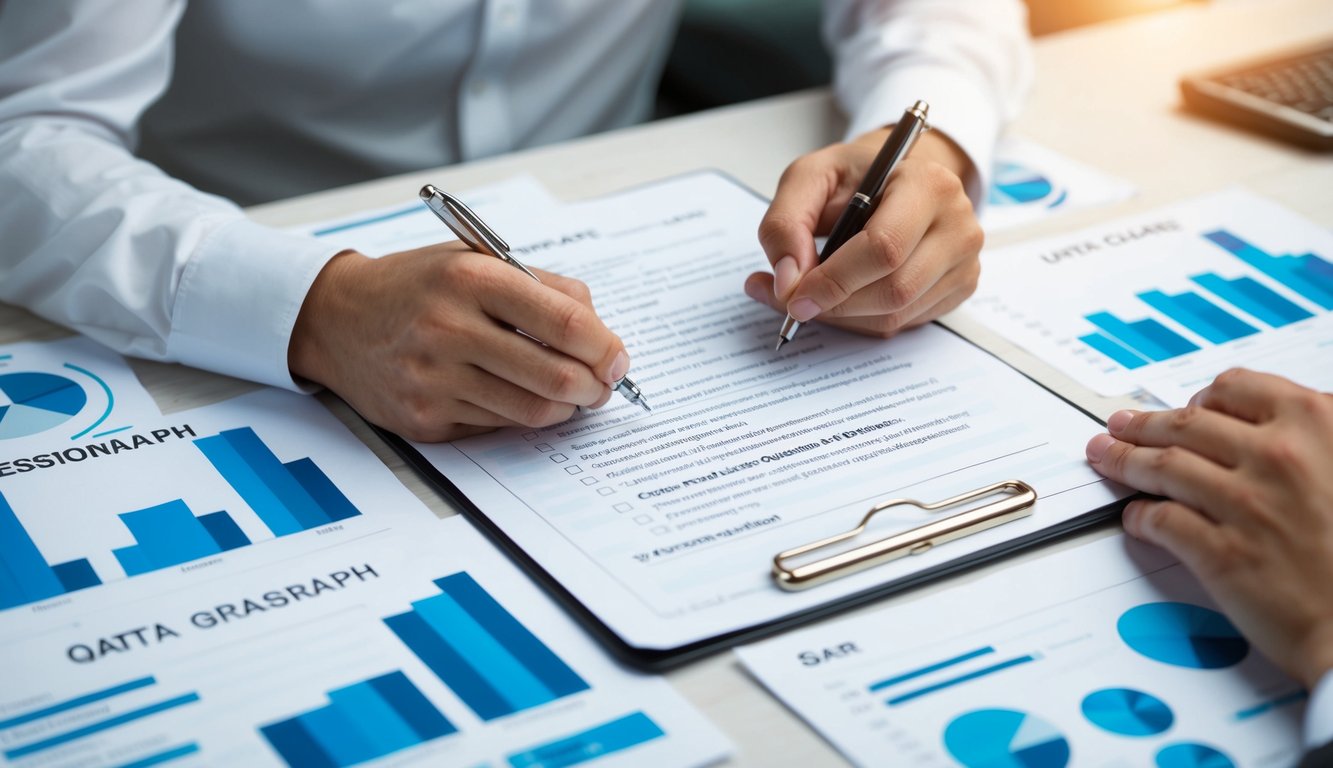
1030,182
1106,654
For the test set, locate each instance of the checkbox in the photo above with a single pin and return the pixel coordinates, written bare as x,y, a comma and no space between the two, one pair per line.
574,469
606,490
589,481
623,507
559,458
529,436
661,529
544,447
642,519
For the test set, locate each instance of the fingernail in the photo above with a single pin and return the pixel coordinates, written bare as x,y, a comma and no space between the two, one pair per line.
1098,446
1119,420
620,367
785,274
803,309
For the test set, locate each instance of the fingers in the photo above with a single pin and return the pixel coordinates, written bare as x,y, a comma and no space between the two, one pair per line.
1172,471
537,369
1254,397
787,231
508,401
1182,531
1212,434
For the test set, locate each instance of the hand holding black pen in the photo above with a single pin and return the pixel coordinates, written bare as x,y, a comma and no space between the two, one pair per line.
862,204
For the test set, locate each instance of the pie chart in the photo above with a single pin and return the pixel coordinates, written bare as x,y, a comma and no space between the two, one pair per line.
1127,712
1005,738
1192,756
1015,184
35,402
1182,635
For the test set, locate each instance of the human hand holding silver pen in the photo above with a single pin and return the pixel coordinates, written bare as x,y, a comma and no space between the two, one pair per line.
475,233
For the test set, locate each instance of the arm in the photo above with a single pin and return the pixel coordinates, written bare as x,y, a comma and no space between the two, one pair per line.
1245,470
107,244
917,257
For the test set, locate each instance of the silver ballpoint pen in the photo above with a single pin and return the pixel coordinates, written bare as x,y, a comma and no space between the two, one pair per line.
481,238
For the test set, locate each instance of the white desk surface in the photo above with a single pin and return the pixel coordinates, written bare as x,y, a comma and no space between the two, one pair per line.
1106,95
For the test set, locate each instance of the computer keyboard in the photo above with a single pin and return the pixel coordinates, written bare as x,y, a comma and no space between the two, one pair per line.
1289,95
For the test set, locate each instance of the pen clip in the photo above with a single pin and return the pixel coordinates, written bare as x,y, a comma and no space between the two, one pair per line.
1017,502
468,226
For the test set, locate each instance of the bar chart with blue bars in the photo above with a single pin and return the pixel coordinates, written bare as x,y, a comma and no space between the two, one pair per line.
287,497
958,669
485,655
99,713
363,721
1136,342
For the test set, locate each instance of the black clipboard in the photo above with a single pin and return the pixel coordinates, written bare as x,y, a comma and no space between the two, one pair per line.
1003,508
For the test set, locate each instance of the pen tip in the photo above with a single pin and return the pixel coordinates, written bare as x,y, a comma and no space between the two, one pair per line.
781,340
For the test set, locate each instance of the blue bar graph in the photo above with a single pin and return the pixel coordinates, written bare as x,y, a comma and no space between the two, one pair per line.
1147,337
101,725
362,722
77,701
1253,297
477,648
169,534
929,668
1114,350
1199,315
165,756
1306,274
615,736
290,498
25,576
959,680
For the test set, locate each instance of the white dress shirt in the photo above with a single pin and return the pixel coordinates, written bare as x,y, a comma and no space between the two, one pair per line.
254,99
1319,713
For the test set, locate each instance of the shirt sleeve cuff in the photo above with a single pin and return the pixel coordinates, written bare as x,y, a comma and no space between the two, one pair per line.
238,300
960,108
1319,713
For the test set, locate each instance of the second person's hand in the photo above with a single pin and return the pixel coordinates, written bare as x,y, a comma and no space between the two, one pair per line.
423,342
916,258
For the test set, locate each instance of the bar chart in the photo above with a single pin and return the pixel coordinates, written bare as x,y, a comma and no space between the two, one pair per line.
482,652
361,722
25,576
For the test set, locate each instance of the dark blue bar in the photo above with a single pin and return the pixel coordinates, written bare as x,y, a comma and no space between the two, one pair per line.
338,734
296,746
167,534
592,744
78,701
1199,315
454,670
1307,275
1147,337
25,563
1114,350
1254,298
413,706
76,575
113,722
164,757
273,474
895,701
224,531
248,485
321,489
525,646
926,670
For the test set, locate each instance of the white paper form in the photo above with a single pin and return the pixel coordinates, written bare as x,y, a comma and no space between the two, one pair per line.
1031,182
410,224
1168,299
665,525
422,646
1109,654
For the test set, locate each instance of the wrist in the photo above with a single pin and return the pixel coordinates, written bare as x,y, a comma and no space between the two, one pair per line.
313,344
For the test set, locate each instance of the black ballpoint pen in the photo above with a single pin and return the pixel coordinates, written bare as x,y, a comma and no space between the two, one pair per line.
469,228
863,203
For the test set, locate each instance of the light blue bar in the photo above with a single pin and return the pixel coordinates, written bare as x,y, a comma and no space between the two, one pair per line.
970,676
338,735
78,701
1254,298
248,485
926,670
370,220
185,750
34,578
1114,350
1130,336
374,717
592,744
167,534
497,666
1302,274
88,730
1199,315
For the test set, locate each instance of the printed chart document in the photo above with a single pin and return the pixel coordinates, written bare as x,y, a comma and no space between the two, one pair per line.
664,525
1168,299
1032,183
1109,654
424,646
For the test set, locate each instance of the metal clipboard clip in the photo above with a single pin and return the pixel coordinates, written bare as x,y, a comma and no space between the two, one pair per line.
1017,502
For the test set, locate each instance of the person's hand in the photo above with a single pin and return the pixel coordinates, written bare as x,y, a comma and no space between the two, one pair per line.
423,342
1247,470
916,259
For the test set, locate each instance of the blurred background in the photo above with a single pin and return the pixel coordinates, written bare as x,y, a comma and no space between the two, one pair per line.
736,50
